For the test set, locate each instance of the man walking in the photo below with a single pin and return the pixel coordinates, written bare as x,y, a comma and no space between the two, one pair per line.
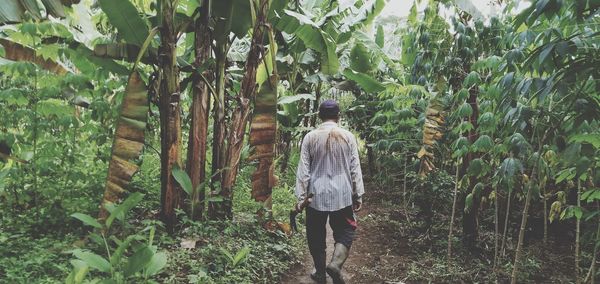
329,168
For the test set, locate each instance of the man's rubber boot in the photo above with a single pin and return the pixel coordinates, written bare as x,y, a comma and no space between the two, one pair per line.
334,268
319,274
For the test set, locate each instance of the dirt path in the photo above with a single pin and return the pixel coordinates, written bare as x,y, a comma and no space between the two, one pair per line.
371,260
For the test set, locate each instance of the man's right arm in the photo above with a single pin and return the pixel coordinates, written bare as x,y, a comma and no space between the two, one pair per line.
303,172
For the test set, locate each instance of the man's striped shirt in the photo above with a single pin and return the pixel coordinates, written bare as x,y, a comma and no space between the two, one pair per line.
329,166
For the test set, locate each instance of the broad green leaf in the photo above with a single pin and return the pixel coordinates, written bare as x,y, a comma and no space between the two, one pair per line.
483,144
465,110
510,167
577,212
54,108
240,256
126,18
365,14
33,8
184,180
222,12
468,202
156,264
412,16
477,167
80,270
93,260
129,140
379,36
374,48
486,120
566,174
360,59
295,98
138,261
54,8
124,207
227,254
365,81
11,11
241,18
312,36
86,62
87,219
115,258
330,63
395,146
265,68
473,79
592,138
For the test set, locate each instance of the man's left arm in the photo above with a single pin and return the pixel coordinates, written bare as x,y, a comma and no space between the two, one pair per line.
358,187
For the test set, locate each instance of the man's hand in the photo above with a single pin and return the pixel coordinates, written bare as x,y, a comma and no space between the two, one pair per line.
356,203
299,204
357,206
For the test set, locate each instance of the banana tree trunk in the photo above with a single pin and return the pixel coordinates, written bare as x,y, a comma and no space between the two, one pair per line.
240,115
218,146
196,156
170,120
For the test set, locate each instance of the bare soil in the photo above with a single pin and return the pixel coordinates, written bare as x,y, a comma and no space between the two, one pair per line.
372,259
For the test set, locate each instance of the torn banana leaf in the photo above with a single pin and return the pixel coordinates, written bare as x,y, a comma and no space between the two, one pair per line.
18,52
433,131
128,141
13,11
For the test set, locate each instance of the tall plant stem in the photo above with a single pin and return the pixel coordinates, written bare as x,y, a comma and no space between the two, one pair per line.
534,175
591,275
543,188
404,200
496,229
451,227
578,235
505,229
521,236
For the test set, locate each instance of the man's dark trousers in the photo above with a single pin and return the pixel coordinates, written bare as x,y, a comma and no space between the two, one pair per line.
342,222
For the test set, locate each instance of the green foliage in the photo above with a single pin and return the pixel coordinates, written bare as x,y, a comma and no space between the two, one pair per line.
117,265
125,17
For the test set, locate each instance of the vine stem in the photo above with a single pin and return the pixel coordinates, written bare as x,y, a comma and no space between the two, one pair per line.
577,235
450,230
112,270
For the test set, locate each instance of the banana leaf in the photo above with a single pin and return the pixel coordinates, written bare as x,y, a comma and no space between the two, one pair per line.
128,140
312,36
13,11
126,18
17,52
432,133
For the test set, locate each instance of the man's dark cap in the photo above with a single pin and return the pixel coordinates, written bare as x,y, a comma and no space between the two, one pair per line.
329,109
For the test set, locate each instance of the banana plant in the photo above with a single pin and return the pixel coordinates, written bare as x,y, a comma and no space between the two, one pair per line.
144,261
240,115
17,11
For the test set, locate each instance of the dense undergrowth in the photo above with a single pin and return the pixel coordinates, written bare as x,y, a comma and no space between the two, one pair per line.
415,226
37,245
